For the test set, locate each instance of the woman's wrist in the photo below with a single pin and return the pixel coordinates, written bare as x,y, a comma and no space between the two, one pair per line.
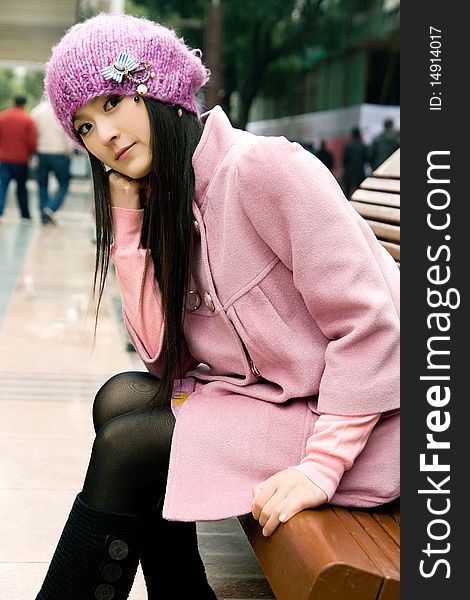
124,192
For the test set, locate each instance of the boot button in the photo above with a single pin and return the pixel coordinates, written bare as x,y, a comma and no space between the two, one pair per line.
209,302
193,300
118,550
111,572
197,228
104,591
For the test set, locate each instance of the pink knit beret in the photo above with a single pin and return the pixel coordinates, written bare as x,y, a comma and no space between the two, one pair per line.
121,54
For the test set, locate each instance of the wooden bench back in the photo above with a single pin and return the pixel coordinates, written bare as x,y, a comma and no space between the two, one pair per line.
378,200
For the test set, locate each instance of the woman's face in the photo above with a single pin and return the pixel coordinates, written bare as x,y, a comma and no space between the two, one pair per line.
116,129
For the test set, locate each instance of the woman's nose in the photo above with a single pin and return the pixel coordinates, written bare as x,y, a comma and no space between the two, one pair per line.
107,132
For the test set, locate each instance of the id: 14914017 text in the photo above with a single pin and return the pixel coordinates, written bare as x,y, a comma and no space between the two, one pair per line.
435,68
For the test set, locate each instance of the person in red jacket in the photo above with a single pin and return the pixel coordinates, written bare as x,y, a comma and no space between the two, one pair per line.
18,138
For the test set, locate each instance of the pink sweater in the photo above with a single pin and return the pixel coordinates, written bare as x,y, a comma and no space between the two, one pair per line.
336,440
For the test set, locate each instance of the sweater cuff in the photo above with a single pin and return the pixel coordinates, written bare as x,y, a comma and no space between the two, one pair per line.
326,479
127,227
332,448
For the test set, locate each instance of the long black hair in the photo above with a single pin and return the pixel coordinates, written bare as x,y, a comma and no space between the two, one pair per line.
167,227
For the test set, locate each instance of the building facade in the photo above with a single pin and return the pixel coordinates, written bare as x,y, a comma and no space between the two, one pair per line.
357,83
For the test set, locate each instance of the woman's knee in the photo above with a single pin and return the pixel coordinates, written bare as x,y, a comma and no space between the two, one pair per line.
130,441
124,392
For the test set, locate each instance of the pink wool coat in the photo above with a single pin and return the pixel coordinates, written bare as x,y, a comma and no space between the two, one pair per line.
298,317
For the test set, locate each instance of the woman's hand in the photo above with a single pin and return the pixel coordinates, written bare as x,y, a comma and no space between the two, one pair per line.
124,192
282,496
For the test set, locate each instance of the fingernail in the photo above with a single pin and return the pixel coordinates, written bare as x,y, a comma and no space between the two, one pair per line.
282,518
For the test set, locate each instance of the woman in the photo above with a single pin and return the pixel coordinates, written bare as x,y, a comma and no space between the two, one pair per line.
261,304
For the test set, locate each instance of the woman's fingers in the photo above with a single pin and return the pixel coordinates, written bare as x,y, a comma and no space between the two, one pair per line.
271,507
284,510
282,496
261,494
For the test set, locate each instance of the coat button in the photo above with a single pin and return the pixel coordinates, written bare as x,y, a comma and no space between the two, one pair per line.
118,550
104,591
111,572
193,300
209,302
254,370
197,228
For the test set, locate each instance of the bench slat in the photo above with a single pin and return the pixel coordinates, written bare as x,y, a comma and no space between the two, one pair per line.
383,563
388,524
381,184
385,231
376,197
378,213
390,590
389,550
394,249
390,167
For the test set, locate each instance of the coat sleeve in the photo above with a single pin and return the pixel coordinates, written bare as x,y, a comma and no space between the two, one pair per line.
141,300
348,281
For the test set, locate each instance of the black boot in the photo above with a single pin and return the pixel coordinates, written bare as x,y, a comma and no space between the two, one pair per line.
96,557
170,560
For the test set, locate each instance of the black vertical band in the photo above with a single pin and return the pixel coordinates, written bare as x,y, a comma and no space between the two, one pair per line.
435,244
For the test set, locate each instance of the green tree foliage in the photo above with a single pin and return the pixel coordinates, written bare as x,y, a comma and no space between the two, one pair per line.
6,88
33,87
259,36
185,16
263,42
29,85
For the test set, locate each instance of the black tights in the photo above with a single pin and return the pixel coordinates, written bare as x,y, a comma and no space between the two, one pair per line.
127,473
129,461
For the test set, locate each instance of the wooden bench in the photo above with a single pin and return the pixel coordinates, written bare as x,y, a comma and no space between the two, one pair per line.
333,553
377,199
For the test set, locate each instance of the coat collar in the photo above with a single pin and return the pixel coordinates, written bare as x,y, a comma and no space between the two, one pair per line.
217,138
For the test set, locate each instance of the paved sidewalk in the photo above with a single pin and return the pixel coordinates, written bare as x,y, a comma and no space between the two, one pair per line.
49,373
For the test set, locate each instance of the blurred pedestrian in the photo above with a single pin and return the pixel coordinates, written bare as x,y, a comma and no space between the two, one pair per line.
384,144
18,138
54,149
325,155
354,162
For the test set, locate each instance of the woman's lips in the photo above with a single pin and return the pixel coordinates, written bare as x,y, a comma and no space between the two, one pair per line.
122,152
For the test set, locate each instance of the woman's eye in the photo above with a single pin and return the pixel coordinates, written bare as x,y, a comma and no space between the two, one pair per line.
84,129
111,102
